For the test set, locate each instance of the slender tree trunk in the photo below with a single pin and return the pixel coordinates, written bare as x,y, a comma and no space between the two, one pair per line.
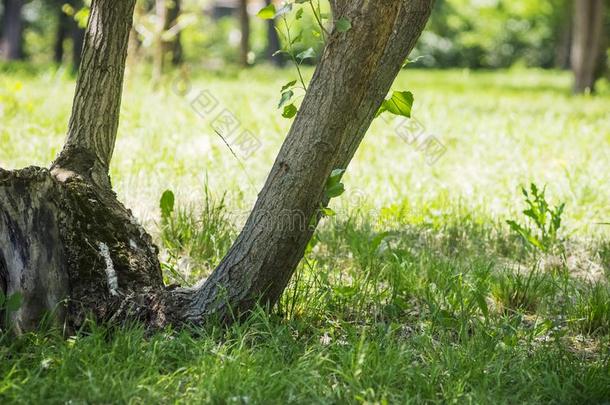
64,237
273,42
95,111
586,43
11,45
244,24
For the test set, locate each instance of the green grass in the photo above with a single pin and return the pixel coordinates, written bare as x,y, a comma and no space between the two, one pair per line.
416,291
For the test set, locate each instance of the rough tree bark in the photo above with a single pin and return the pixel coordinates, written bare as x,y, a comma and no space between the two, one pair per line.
66,244
587,43
244,24
95,254
11,42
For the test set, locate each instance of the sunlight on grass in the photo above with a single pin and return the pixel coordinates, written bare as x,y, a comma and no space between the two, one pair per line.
417,290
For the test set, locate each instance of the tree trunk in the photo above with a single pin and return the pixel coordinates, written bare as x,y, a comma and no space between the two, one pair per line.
67,246
564,44
63,25
167,15
95,111
587,41
348,86
78,38
160,45
175,45
273,42
244,24
67,26
64,237
11,45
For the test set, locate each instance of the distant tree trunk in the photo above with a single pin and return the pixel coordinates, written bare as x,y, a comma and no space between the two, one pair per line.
564,44
11,45
68,27
63,25
160,46
176,42
78,37
65,237
244,24
167,15
586,42
273,42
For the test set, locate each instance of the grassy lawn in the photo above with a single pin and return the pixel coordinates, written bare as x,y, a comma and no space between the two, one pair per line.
415,291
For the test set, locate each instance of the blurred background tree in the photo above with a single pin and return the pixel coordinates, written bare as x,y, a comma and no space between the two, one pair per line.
474,34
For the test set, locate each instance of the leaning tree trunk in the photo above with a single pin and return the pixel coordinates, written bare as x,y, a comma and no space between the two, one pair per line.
349,84
586,43
11,44
70,248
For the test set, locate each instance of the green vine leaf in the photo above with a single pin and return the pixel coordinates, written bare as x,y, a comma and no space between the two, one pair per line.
288,85
307,54
289,111
334,187
286,97
400,103
267,13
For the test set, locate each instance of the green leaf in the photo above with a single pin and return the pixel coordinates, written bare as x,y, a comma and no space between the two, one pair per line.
335,190
309,53
286,97
296,39
327,212
289,111
409,61
334,187
400,103
337,174
267,13
343,25
14,302
299,14
288,85
167,204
